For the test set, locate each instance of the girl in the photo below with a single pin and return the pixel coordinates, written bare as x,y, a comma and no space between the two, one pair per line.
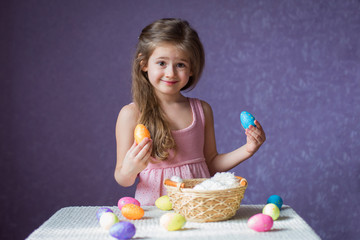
169,59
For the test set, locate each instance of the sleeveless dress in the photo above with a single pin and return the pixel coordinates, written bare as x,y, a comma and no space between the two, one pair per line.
188,162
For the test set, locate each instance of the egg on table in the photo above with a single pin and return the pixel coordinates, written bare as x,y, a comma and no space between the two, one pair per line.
108,219
163,203
140,133
172,221
247,119
260,222
123,230
132,211
272,210
277,200
102,210
127,200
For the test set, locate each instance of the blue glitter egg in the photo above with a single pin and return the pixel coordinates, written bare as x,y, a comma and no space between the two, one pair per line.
123,230
275,199
247,119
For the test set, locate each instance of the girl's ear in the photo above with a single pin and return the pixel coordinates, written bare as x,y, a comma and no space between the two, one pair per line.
144,68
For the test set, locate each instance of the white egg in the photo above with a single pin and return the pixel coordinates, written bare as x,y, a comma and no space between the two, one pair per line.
107,220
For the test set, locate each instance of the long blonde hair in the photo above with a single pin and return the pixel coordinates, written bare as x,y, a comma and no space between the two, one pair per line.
182,35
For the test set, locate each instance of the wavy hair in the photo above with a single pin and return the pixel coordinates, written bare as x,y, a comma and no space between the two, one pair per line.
182,35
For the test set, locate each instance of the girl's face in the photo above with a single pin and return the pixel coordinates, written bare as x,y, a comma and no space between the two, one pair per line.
168,69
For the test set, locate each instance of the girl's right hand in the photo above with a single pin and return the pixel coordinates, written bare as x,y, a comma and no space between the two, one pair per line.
137,157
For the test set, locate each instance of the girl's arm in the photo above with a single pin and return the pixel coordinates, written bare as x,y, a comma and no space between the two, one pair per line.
130,157
223,162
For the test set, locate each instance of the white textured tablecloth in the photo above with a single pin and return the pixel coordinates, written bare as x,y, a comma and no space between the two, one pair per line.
81,223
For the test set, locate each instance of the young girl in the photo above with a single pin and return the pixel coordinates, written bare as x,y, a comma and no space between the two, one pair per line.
169,59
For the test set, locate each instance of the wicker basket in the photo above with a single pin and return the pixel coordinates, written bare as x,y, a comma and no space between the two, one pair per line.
204,206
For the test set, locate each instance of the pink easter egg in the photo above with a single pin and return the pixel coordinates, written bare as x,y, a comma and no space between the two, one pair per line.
127,200
260,222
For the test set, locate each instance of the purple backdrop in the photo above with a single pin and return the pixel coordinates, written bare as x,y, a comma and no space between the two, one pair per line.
65,74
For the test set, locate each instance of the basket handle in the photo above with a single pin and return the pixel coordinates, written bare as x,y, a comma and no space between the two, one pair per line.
243,181
173,184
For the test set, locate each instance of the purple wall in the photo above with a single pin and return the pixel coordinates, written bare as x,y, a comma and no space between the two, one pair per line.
65,74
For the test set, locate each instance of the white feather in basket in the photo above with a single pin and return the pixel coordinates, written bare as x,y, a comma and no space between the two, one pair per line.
220,181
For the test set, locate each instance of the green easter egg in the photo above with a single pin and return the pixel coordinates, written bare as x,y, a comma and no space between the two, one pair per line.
271,210
172,221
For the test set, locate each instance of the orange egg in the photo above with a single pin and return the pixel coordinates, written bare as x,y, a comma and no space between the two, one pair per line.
132,211
140,133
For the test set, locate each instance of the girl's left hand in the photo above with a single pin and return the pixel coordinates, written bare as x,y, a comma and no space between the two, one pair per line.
255,137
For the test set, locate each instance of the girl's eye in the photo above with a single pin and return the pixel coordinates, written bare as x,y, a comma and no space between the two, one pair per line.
161,64
181,65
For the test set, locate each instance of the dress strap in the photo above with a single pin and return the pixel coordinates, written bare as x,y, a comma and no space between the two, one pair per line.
197,106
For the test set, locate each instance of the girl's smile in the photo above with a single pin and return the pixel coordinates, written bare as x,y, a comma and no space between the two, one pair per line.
170,83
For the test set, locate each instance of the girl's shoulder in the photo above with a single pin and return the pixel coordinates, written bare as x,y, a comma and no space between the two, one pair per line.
129,113
206,108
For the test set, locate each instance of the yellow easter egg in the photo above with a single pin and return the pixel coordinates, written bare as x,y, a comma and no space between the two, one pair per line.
163,203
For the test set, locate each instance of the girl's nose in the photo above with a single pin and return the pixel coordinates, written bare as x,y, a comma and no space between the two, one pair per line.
170,72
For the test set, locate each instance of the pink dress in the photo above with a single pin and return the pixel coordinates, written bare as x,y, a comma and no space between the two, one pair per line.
188,162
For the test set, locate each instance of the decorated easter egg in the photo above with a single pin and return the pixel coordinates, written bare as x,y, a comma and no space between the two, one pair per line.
126,200
108,219
102,210
276,199
172,221
247,119
132,211
140,133
272,210
260,222
163,203
123,230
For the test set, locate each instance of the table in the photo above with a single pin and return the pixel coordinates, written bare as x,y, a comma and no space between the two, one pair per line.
81,223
